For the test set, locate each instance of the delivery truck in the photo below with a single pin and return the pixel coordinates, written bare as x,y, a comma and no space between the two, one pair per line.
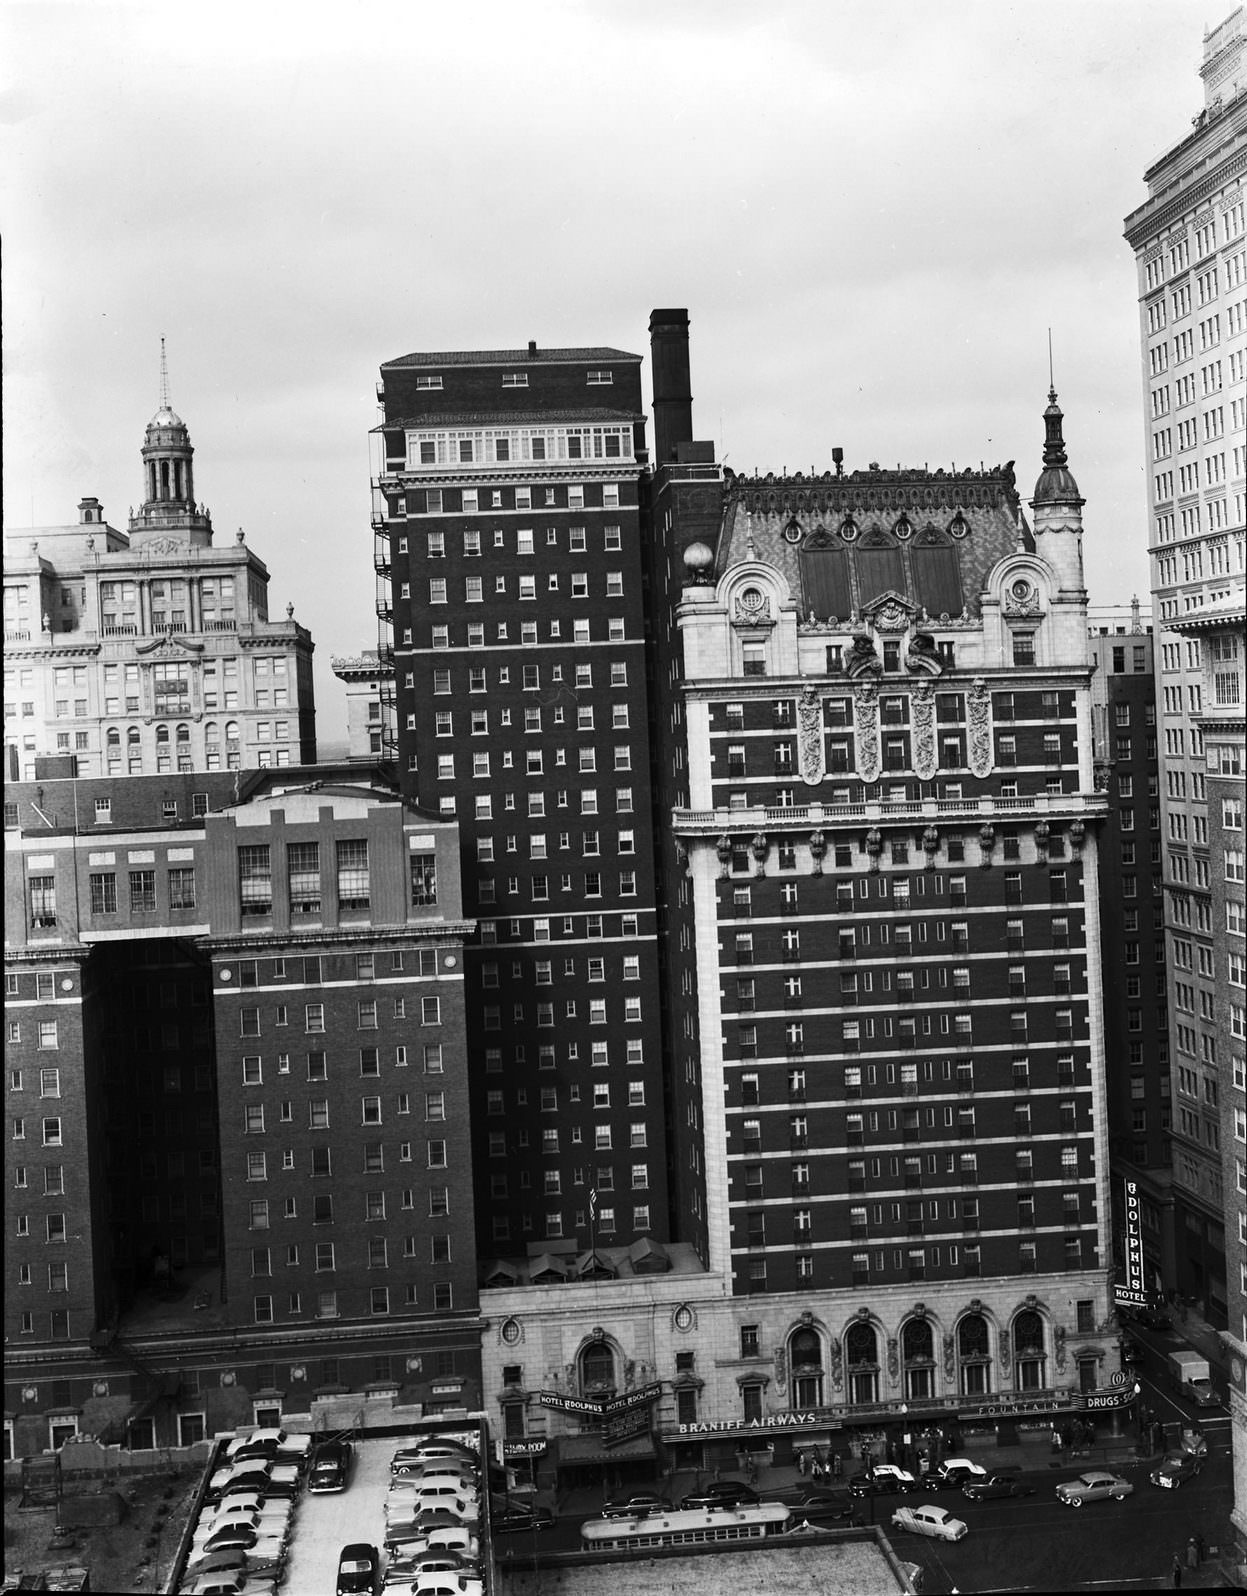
1193,1378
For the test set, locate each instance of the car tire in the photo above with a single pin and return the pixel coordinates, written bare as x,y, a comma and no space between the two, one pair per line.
1073,1501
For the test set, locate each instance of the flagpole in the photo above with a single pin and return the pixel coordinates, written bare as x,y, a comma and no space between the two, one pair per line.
593,1224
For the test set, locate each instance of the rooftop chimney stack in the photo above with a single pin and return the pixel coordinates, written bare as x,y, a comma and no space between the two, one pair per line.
673,401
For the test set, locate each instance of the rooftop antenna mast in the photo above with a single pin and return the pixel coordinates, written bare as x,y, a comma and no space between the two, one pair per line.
164,378
1051,377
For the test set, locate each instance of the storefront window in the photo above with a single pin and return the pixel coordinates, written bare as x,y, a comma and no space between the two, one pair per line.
861,1349
751,1400
974,1355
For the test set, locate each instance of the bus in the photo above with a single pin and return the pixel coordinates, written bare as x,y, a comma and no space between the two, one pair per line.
695,1526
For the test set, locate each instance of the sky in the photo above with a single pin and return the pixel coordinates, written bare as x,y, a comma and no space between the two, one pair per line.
873,211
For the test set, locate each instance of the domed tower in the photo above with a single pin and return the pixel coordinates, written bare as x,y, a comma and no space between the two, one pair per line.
169,485
1057,507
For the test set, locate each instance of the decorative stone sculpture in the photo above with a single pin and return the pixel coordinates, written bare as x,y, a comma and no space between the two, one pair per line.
930,845
866,715
922,716
987,841
810,735
874,846
759,847
818,848
724,850
979,715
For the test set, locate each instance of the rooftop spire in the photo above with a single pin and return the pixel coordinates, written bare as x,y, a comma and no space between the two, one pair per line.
1054,442
164,378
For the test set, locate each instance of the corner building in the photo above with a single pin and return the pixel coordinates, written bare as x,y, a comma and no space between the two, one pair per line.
506,510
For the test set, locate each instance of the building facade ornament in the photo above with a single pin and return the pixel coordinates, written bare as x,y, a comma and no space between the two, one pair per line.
979,716
866,715
818,848
759,847
863,659
1022,598
810,735
723,847
922,716
752,608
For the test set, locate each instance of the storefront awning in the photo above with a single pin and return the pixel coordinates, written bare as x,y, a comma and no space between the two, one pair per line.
589,1449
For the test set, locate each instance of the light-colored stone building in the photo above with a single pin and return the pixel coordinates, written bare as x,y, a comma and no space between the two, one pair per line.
149,651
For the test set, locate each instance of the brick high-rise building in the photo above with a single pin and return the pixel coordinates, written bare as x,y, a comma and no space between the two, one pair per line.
878,905
1190,245
507,511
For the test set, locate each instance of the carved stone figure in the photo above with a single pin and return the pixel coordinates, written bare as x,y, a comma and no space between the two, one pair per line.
979,715
922,657
922,715
930,845
818,848
950,1358
863,659
987,841
894,1359
1077,835
724,850
866,715
810,750
759,847
874,846
837,1364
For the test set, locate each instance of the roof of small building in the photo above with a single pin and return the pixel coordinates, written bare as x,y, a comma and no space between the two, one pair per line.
499,357
557,416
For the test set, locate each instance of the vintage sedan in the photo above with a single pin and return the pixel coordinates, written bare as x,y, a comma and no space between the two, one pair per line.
1174,1469
936,1522
1000,1482
885,1479
635,1505
722,1493
956,1471
1093,1486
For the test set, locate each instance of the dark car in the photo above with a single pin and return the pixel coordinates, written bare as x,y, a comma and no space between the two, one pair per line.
1175,1469
331,1463
1131,1351
511,1518
818,1506
357,1569
880,1485
722,1493
1154,1318
637,1503
1000,1482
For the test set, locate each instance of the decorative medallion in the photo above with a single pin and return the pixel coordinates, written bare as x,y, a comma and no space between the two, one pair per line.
904,528
1022,598
752,608
683,1319
792,532
512,1332
959,526
849,529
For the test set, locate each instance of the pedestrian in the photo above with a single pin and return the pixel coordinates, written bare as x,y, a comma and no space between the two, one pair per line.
835,1465
1192,1553
816,1469
801,1462
1176,1573
1056,1439
1201,1548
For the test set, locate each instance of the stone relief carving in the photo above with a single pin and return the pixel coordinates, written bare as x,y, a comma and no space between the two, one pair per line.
950,1358
866,713
810,735
987,841
1022,598
921,657
1059,1338
837,1364
922,713
894,1359
752,608
724,850
781,1365
863,659
1077,835
874,846
979,714
759,847
930,845
890,614
818,848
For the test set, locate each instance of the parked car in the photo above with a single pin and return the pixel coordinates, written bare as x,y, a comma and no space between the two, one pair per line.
721,1493
420,1451
1131,1352
884,1480
67,1576
1174,1469
1093,1486
819,1506
438,1538
1154,1318
936,1522
519,1516
331,1466
956,1471
637,1503
1000,1482
357,1570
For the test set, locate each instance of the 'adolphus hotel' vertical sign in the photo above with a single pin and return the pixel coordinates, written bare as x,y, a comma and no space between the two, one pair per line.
1134,1288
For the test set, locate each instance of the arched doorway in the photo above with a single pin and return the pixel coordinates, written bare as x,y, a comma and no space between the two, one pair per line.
805,1364
918,1357
861,1356
974,1355
1029,1357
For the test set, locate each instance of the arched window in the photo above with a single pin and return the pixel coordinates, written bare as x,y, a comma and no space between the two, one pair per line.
231,731
162,735
974,1355
184,734
805,1362
597,1369
132,737
1028,1351
861,1354
918,1355
113,737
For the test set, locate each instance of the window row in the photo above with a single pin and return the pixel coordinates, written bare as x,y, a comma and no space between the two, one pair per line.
317,1063
577,536
370,1111
373,1163
538,887
586,762
324,1305
366,1016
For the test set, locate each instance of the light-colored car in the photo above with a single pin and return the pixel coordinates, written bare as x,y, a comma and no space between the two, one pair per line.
958,1471
936,1522
1093,1486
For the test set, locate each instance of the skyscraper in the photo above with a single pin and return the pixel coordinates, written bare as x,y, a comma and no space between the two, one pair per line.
507,509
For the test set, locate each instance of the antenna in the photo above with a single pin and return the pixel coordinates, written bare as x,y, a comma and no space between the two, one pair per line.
1051,378
164,378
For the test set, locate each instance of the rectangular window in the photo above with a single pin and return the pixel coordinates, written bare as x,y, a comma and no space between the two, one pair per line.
353,875
255,879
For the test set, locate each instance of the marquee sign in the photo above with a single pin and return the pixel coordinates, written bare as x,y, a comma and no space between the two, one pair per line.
643,1396
1134,1288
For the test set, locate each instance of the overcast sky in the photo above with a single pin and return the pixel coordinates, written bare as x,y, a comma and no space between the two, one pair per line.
873,212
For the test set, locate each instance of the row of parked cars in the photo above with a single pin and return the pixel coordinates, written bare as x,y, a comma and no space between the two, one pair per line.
240,1543
432,1526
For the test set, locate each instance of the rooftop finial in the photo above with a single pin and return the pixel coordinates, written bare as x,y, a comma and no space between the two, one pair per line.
164,378
1051,377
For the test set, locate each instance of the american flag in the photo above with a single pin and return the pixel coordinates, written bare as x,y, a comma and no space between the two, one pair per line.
593,1203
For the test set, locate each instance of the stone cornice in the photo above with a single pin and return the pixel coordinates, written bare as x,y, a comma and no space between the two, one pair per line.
1162,210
